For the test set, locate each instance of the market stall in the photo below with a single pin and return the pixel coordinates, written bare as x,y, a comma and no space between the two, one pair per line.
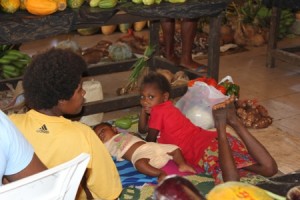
22,27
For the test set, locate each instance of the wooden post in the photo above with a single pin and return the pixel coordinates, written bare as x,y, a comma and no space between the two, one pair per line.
154,40
214,46
272,43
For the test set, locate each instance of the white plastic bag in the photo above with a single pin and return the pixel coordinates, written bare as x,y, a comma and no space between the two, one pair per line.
197,104
93,89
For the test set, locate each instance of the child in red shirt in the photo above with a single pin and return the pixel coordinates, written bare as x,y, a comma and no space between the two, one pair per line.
217,153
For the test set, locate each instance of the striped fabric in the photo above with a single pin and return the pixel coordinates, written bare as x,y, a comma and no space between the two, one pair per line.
130,176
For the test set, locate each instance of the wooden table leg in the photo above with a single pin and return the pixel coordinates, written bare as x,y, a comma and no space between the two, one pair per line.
272,43
214,46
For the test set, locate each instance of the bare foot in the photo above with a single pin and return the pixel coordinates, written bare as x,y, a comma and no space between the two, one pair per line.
232,118
191,64
220,111
186,168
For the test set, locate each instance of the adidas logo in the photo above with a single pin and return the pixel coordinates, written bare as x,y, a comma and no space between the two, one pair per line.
43,129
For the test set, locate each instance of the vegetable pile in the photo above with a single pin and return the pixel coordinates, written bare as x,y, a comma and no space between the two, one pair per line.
226,87
252,114
12,62
151,2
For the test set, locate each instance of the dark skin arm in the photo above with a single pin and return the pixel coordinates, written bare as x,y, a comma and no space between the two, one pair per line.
152,135
35,166
227,164
143,121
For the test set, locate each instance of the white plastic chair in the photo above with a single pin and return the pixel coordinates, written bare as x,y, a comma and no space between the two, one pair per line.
57,183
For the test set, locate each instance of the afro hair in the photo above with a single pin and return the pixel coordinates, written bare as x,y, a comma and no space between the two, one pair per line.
52,76
157,79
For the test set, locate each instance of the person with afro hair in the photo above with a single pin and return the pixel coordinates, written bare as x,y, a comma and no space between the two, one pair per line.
53,88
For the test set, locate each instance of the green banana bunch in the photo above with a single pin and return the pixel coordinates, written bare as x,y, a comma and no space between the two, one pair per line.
13,63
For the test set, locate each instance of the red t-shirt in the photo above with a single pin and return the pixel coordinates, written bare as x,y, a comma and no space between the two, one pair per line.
177,129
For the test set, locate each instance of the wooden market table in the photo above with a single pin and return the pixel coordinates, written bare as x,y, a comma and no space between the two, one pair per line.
273,52
23,27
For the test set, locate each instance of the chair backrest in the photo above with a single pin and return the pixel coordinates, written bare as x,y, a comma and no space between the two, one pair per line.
57,183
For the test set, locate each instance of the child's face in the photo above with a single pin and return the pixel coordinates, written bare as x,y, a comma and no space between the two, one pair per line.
151,96
104,132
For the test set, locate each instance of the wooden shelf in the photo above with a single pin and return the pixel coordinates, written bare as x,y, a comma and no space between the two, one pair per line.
23,27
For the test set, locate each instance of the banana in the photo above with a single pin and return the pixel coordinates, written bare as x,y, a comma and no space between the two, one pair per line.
5,75
4,61
19,64
10,57
9,68
14,73
14,52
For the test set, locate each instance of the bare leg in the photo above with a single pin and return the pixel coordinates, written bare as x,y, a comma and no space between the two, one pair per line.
188,33
179,160
266,165
143,166
168,28
227,164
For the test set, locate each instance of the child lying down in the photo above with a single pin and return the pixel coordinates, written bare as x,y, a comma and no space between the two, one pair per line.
147,157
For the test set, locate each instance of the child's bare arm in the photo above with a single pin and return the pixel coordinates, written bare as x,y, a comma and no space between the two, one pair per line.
143,121
152,135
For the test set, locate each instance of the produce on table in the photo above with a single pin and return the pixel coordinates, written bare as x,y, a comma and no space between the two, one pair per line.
251,22
252,114
119,51
22,5
240,191
61,4
151,2
10,6
13,63
95,53
108,29
124,27
103,3
75,3
138,26
87,31
107,3
41,7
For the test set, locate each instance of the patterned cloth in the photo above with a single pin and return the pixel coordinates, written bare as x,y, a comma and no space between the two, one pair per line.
210,165
130,176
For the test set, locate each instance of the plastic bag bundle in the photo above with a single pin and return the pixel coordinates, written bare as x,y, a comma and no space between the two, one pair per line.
197,104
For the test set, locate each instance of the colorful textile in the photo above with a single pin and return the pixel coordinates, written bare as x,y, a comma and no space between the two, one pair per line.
210,165
130,176
176,129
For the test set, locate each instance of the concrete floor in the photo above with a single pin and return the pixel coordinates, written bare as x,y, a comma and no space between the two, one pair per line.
277,89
